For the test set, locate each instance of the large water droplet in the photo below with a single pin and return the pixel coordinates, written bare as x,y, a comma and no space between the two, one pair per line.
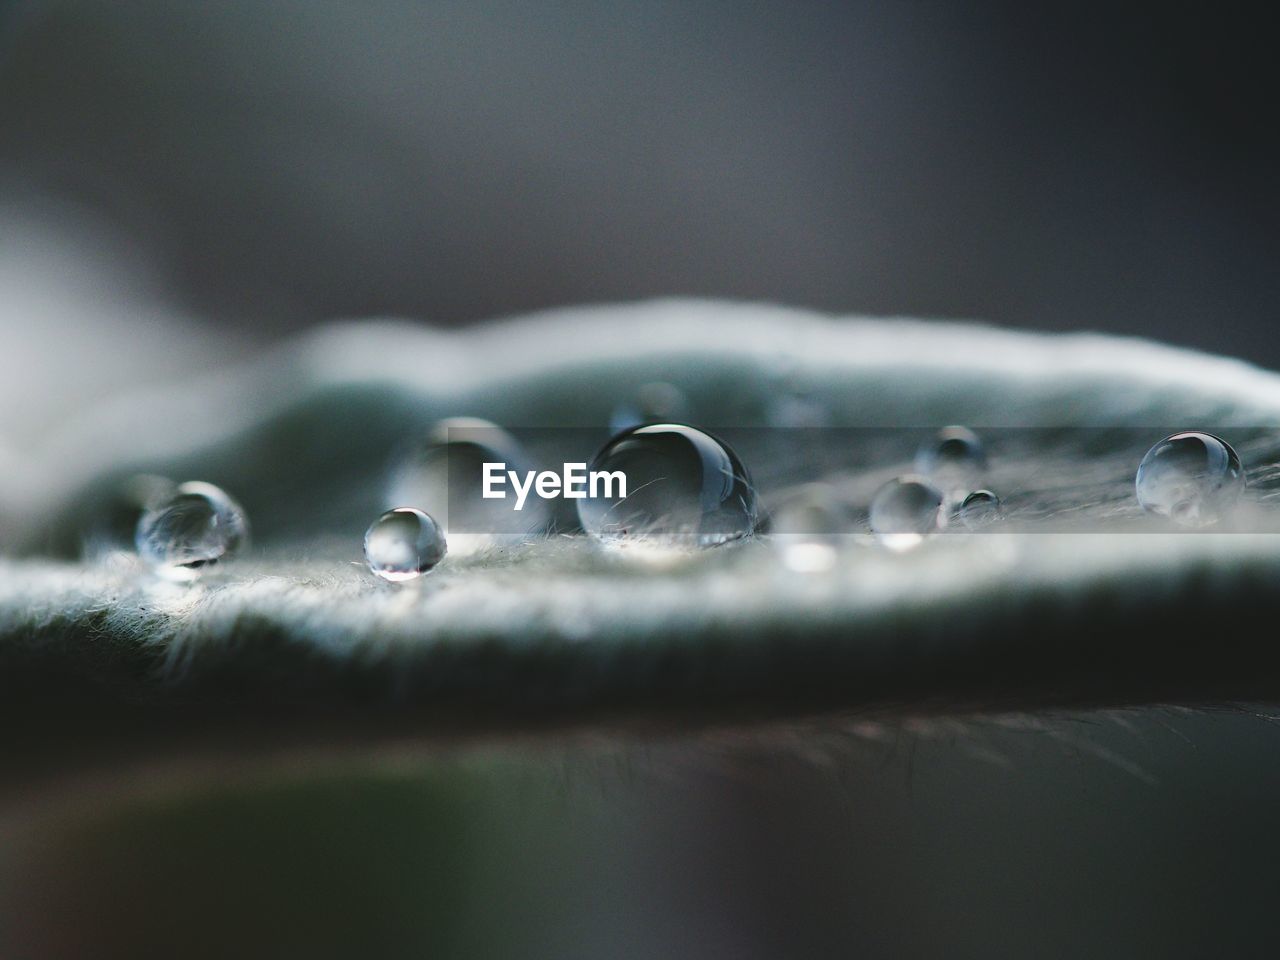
198,526
114,524
1193,478
979,509
954,460
684,487
906,510
444,476
656,402
402,544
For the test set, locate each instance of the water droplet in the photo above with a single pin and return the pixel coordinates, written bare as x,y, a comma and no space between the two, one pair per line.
403,544
444,476
954,460
808,527
114,524
979,509
1193,478
656,402
684,487
906,510
197,526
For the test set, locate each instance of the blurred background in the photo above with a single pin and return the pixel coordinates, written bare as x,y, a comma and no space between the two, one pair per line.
1138,834
264,166
181,184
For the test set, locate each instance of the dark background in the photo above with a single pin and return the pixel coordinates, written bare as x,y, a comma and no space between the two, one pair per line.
273,165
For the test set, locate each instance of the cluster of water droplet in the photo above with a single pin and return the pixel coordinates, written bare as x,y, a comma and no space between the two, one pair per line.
685,487
949,466
688,488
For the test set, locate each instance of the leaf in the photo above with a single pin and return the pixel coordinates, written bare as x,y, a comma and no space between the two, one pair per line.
297,643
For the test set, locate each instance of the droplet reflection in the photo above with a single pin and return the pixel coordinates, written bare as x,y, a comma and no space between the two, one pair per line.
196,527
954,460
1192,478
403,544
684,488
906,510
808,527
979,509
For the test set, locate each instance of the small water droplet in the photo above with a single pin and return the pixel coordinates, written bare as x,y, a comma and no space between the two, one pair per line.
1192,478
979,509
656,402
808,527
684,487
954,460
444,476
403,544
197,526
906,510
